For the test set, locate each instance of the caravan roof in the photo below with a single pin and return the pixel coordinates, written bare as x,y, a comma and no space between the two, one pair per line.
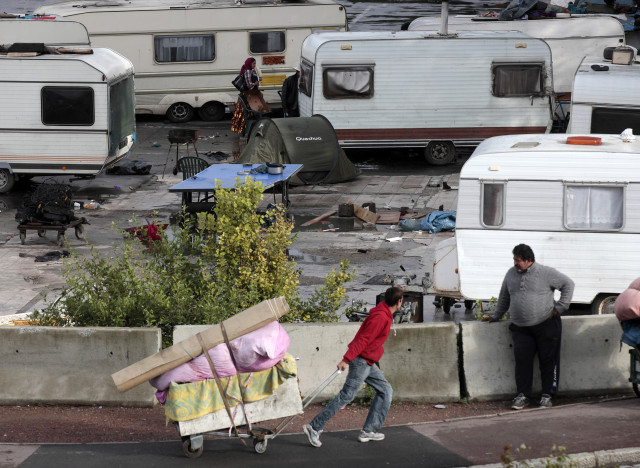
550,157
57,32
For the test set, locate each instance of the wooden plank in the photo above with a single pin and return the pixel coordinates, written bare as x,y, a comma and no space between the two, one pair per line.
391,217
365,215
319,218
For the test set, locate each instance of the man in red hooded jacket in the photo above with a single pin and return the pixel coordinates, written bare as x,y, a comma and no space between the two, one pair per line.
362,359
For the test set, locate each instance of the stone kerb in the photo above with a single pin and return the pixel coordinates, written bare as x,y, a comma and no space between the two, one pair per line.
73,366
420,361
591,360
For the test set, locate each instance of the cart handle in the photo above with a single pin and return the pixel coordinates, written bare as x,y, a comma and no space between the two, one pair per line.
306,401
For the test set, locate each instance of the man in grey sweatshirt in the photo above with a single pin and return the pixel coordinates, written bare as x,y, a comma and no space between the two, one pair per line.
527,293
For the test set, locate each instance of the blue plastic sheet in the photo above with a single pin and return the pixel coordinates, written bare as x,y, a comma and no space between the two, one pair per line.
436,221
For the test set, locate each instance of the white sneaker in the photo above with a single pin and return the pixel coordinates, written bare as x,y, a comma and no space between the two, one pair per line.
366,436
313,435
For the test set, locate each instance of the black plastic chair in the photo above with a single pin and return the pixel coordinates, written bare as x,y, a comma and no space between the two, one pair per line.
190,166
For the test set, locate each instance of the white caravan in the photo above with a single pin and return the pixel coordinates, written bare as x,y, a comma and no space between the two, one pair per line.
606,97
426,90
186,53
576,205
52,33
73,107
570,39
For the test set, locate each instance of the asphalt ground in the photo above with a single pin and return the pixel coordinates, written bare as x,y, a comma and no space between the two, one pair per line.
591,434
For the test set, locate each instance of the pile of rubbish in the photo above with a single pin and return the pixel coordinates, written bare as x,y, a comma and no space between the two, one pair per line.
49,203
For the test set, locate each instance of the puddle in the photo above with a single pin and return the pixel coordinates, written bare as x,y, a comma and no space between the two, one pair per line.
299,256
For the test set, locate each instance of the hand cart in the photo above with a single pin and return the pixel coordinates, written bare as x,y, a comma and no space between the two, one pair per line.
285,402
42,229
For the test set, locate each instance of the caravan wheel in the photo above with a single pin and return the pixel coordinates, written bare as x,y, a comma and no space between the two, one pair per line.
603,304
180,112
439,153
7,179
211,111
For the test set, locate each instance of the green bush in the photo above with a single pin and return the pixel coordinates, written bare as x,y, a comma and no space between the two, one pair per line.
203,273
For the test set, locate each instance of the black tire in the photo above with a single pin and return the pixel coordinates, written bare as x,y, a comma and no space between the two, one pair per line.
180,112
603,304
468,304
7,180
260,446
186,448
212,111
636,390
440,153
447,302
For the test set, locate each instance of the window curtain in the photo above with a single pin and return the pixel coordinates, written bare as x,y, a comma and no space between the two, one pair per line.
492,204
517,81
594,207
348,83
184,48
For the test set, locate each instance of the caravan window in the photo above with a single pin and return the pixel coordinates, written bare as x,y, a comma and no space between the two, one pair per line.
306,78
594,207
67,105
187,48
266,42
347,82
510,80
612,120
492,204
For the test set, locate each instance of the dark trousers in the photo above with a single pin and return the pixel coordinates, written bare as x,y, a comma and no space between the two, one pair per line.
543,339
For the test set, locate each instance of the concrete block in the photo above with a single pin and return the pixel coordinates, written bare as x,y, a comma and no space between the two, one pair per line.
420,361
590,361
72,366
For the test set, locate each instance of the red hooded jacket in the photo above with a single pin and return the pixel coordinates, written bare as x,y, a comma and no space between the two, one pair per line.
371,336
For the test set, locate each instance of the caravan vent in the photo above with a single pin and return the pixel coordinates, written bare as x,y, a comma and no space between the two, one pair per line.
623,55
584,140
526,144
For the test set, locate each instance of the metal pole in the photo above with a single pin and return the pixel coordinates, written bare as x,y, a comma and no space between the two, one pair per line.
444,24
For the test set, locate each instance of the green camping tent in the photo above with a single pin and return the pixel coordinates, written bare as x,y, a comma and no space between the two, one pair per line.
311,141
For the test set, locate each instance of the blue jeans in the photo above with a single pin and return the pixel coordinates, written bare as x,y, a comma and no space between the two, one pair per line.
360,371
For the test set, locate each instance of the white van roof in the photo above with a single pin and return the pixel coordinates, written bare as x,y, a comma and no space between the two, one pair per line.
51,32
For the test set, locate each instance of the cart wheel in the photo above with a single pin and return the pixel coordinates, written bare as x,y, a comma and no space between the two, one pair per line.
42,232
186,448
61,239
79,231
260,446
23,237
636,390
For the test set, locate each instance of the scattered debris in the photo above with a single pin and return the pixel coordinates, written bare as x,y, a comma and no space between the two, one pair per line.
439,406
319,218
364,214
48,257
134,167
394,239
392,217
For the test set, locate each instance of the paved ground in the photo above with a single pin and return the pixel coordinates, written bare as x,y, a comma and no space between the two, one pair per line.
594,434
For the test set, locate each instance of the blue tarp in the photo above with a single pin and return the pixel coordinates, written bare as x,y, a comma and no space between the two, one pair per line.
435,221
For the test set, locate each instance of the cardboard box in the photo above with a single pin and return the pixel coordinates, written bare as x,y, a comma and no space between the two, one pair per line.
240,324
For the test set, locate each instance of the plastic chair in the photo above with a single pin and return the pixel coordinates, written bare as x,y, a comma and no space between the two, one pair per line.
190,166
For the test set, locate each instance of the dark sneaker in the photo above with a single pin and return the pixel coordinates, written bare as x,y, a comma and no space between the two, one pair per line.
366,436
313,435
520,402
545,401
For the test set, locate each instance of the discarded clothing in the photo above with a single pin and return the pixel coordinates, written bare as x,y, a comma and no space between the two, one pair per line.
48,257
261,169
133,167
516,9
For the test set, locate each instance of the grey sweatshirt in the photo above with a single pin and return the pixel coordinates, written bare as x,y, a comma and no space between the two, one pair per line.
528,296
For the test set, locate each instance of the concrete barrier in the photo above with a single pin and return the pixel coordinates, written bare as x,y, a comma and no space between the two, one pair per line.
72,366
420,361
590,362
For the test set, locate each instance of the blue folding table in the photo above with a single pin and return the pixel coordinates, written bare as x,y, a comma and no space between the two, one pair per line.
226,174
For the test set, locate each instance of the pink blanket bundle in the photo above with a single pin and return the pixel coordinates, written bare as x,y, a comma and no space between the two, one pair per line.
627,305
259,350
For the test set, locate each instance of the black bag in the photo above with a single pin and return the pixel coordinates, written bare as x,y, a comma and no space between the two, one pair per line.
240,83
